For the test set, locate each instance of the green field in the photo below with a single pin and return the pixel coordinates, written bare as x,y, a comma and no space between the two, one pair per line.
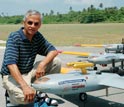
70,34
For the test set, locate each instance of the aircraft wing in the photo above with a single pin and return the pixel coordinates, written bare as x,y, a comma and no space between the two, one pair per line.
113,81
90,45
121,57
85,54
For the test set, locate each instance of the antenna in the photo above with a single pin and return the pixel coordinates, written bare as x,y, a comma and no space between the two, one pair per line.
123,45
122,62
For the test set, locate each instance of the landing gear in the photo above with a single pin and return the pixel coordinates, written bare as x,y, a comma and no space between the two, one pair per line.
114,69
117,70
95,68
107,50
83,96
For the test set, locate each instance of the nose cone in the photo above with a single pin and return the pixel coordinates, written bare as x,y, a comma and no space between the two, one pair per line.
108,46
92,59
41,84
47,84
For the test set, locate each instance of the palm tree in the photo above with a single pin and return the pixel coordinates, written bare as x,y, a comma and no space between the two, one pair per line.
101,5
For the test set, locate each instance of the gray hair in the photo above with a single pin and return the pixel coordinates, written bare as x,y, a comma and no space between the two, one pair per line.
32,12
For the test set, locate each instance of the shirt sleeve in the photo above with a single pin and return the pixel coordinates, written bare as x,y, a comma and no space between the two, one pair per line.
11,52
45,47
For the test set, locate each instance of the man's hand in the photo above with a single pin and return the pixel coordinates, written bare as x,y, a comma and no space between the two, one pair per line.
40,73
40,70
42,65
29,94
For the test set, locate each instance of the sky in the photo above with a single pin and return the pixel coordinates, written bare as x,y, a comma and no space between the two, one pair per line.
19,7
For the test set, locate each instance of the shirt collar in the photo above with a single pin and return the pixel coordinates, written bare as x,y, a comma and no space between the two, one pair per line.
24,38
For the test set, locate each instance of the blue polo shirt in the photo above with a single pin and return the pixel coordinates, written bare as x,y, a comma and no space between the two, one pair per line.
21,51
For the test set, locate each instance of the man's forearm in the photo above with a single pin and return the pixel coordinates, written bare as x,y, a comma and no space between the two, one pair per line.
51,55
42,65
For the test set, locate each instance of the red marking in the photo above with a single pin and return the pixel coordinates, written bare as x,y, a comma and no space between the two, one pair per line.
77,44
66,88
86,77
104,65
78,86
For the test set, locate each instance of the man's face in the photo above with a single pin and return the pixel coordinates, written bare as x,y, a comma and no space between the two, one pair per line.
31,25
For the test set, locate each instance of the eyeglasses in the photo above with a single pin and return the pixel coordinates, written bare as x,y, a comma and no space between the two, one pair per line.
35,23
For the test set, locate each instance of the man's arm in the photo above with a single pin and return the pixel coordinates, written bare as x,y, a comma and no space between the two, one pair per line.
42,65
28,92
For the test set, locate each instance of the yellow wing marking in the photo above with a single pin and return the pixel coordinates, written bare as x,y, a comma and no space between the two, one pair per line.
85,54
90,45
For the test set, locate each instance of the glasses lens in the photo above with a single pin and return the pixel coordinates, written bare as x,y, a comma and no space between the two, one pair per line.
35,23
29,22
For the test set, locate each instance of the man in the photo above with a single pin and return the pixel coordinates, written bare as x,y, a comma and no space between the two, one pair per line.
21,50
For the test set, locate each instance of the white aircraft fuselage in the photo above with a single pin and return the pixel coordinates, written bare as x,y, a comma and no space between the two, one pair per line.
114,47
105,58
62,84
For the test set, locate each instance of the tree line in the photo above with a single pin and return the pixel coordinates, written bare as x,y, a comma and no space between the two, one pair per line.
87,15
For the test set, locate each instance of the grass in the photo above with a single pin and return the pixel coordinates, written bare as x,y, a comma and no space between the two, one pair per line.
70,34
